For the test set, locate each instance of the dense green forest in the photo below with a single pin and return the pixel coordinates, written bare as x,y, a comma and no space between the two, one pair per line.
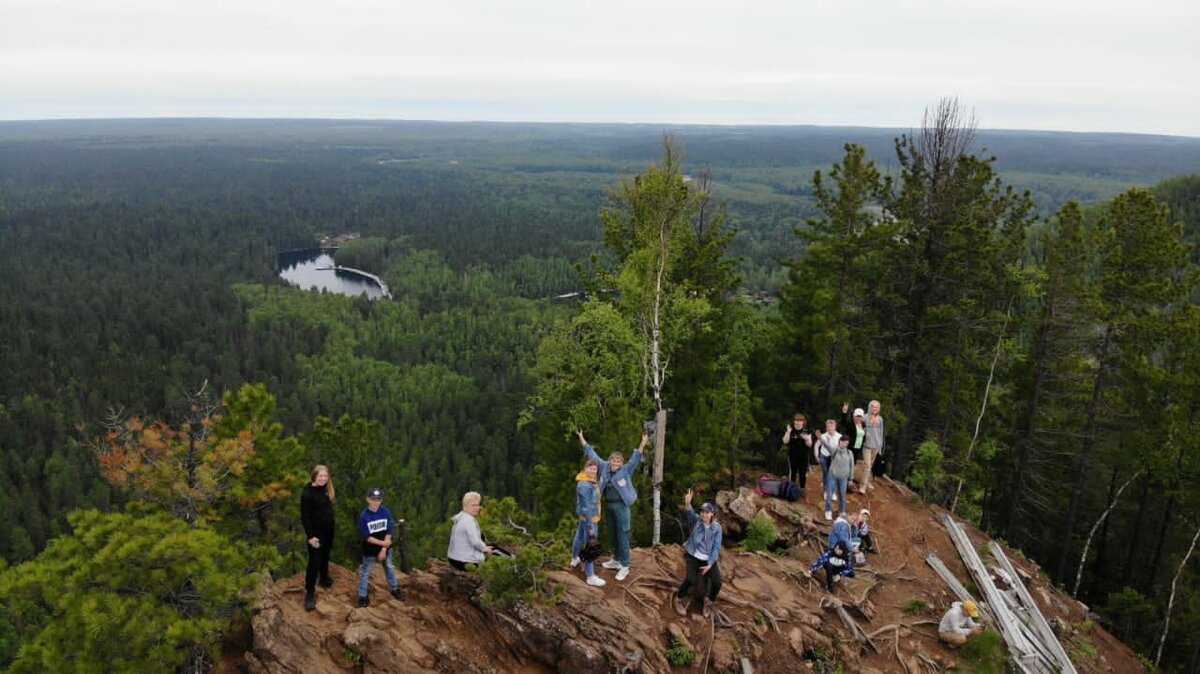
138,262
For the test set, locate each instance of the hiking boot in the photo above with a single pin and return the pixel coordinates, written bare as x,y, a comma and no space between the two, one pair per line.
680,605
709,606
310,601
364,602
574,562
611,564
596,581
623,573
327,582
398,594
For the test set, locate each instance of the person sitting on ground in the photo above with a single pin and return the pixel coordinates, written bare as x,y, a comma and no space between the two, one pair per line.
616,487
958,624
375,524
838,563
702,548
316,515
862,531
841,532
466,541
587,511
841,467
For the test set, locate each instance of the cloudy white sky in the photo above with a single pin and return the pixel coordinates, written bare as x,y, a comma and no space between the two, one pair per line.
1033,64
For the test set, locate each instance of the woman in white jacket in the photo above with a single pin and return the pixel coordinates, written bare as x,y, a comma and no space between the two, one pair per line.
466,543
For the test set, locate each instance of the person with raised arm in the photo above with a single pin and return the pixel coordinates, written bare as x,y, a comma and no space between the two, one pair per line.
619,494
702,550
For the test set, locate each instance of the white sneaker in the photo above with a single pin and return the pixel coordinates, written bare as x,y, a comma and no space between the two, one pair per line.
611,564
828,515
596,581
574,562
835,497
623,573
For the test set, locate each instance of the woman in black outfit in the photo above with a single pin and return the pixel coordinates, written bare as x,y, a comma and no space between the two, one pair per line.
316,514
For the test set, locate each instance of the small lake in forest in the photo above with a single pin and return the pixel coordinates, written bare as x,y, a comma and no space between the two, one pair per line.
313,269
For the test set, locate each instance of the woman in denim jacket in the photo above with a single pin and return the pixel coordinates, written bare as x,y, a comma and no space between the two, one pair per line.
587,510
702,547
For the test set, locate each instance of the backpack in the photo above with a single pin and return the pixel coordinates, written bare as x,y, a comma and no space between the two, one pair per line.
591,551
769,485
791,491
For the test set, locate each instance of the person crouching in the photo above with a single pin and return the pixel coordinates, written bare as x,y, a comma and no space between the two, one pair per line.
703,547
838,563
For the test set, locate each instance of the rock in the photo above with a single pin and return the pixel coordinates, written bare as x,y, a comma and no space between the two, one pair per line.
796,640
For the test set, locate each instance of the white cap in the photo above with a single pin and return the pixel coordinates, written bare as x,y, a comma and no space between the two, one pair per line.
858,412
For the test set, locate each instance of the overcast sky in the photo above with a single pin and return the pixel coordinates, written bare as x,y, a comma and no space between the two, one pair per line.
1036,64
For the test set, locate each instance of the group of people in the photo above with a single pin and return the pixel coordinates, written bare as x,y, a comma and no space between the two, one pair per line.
375,526
606,486
834,449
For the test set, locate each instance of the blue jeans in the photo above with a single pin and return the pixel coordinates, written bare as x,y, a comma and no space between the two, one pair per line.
364,574
582,533
825,486
838,484
618,525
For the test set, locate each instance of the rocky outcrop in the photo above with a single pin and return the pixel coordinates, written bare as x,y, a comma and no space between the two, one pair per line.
770,612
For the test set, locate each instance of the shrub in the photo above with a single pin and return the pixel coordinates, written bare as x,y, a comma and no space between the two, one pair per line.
927,474
760,534
915,606
508,580
679,654
985,653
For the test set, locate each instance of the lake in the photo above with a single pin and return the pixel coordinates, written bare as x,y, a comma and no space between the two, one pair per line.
313,269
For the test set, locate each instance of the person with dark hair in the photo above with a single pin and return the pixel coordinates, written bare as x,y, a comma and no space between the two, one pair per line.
587,510
375,524
466,541
702,549
616,487
316,516
841,467
838,563
799,440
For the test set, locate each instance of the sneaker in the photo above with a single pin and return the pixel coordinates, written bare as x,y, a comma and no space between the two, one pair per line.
364,602
835,498
708,607
574,562
623,573
828,515
327,582
611,564
398,594
680,605
310,601
596,581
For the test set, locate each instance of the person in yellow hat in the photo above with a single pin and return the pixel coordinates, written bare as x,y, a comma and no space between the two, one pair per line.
959,624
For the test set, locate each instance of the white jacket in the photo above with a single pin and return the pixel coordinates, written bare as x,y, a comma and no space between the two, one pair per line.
466,543
957,621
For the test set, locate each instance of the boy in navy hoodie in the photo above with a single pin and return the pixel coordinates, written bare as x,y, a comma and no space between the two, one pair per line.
375,525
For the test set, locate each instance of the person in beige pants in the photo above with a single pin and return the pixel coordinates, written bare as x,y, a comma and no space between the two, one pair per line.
872,445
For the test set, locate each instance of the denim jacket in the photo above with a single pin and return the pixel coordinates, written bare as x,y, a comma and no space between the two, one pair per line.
587,500
696,539
623,479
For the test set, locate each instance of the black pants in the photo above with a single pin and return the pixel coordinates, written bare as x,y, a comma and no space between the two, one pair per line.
693,574
831,572
798,463
461,566
318,561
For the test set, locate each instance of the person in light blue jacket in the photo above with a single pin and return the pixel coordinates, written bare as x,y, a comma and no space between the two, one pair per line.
703,548
619,494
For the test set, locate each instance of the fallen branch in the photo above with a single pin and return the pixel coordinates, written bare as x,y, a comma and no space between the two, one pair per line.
518,527
745,604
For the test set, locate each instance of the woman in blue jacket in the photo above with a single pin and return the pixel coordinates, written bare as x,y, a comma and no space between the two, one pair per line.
619,494
587,511
702,547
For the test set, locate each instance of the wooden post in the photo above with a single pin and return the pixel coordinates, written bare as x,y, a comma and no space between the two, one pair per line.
660,442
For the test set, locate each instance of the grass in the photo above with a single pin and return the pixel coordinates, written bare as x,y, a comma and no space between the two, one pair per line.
915,606
985,653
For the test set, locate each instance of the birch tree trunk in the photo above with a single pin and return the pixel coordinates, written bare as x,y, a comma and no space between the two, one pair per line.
657,375
1112,504
1171,602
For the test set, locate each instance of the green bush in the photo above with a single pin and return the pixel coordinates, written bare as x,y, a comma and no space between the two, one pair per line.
760,534
927,474
679,654
915,606
508,580
985,653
